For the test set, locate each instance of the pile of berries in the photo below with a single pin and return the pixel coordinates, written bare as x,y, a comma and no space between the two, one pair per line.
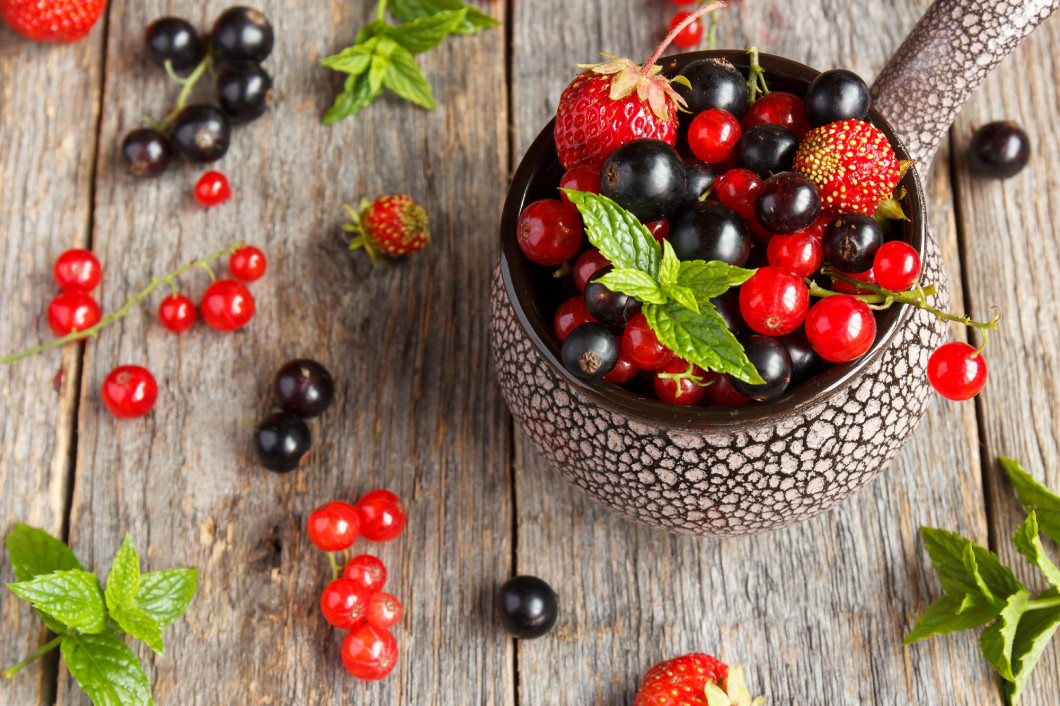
354,600
302,389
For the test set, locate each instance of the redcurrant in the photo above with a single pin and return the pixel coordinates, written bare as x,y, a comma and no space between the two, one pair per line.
570,315
344,603
659,229
896,266
77,271
840,328
247,264
588,264
226,305
623,372
177,312
774,301
212,189
799,254
778,108
384,610
844,287
712,135
382,515
957,371
641,345
721,393
366,570
680,383
73,311
334,527
738,189
129,391
549,232
691,35
369,653
580,177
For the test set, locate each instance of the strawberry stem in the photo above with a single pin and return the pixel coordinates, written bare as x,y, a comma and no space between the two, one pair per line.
646,69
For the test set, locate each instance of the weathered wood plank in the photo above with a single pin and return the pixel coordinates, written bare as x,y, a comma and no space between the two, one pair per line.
1009,233
415,409
49,106
816,612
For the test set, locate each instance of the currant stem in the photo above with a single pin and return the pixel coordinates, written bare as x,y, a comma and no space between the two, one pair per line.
646,69
10,672
712,31
93,331
335,570
756,80
188,84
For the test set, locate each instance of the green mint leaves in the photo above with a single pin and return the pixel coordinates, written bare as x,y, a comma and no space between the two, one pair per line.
383,55
87,618
978,590
676,295
1035,495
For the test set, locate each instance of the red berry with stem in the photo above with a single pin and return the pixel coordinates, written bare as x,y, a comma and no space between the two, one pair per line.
129,391
738,189
73,311
549,232
588,264
384,610
680,383
712,135
799,254
226,305
177,312
369,653
344,603
844,287
778,108
382,515
77,270
774,301
334,527
367,570
212,189
957,371
580,177
570,315
642,346
896,266
624,371
840,328
247,264
691,35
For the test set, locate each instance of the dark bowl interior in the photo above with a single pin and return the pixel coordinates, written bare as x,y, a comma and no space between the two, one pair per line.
535,294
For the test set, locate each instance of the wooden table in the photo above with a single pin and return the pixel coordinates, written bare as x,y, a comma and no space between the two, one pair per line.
816,612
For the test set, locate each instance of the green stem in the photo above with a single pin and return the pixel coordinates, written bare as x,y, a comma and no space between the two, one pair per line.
817,290
380,11
1042,603
93,331
756,79
188,84
335,570
712,31
12,671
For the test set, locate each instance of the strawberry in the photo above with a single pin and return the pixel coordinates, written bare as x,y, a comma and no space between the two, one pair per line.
694,680
51,20
393,225
852,164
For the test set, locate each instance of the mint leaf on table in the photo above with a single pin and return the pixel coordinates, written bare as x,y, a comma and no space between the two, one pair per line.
1030,546
473,21
1034,495
1033,635
404,77
165,595
72,597
966,568
33,552
996,641
949,614
617,233
703,339
138,623
124,577
106,670
419,35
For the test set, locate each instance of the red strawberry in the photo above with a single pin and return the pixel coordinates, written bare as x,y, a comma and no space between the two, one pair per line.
852,164
51,20
694,680
393,225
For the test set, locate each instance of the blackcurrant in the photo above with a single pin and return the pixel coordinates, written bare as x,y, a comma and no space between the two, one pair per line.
174,40
805,363
590,351
850,241
728,306
527,607
715,83
146,151
699,178
787,203
1000,149
766,149
303,388
773,363
241,34
244,90
201,133
606,306
710,231
836,95
281,442
645,177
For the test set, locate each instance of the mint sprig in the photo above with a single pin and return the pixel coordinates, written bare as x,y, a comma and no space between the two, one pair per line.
675,294
979,590
88,620
383,55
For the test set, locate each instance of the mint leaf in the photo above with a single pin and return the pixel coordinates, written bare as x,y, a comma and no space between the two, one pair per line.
996,642
106,670
1036,496
384,48
124,578
138,623
405,78
33,552
165,595
617,233
949,614
352,60
634,283
670,266
357,96
1029,545
682,295
701,338
711,279
72,597
1033,635
949,553
421,34
473,20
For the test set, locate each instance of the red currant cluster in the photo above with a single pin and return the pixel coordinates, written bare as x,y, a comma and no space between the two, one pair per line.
354,600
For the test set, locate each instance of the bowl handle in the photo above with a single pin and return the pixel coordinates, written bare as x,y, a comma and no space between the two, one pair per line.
949,52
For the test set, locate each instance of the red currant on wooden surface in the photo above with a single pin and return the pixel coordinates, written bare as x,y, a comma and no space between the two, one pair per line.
177,312
382,515
642,347
212,189
774,301
691,35
226,305
77,270
73,311
799,254
570,315
366,570
680,383
384,610
712,135
896,266
549,231
957,371
580,177
840,328
247,264
334,527
344,603
369,653
738,189
129,391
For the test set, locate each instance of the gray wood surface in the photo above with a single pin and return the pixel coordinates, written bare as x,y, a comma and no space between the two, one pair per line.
815,612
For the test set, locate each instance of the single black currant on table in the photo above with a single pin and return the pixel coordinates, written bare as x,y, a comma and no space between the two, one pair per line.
527,607
590,351
766,149
201,133
715,83
241,34
174,40
999,149
773,363
699,178
710,231
607,306
281,442
836,95
728,307
147,152
303,388
244,90
787,203
850,241
646,177
805,363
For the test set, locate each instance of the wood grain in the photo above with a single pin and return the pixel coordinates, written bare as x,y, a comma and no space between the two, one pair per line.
49,107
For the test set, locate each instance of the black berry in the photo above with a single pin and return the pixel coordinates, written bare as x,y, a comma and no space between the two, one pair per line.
699,177
174,40
608,307
645,177
147,152
710,231
766,149
527,607
716,83
201,133
728,306
1000,149
281,442
771,359
850,242
244,90
787,203
241,34
590,351
303,388
805,363
836,95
